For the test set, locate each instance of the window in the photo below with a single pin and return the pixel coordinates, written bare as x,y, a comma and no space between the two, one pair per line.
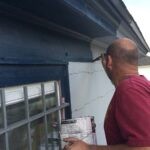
30,116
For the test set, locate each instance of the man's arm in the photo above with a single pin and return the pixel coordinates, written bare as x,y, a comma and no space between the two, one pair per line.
75,144
116,147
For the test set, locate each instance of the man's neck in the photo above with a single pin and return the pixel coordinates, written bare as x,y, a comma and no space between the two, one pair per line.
123,75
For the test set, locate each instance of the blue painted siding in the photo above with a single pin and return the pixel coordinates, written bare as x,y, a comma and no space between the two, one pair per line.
23,43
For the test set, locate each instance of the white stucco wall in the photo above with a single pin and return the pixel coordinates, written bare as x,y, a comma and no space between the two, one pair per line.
145,70
91,92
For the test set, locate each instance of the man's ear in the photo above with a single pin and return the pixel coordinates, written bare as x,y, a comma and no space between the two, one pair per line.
109,62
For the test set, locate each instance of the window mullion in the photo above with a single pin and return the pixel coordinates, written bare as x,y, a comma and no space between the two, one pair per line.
45,116
28,115
58,97
4,117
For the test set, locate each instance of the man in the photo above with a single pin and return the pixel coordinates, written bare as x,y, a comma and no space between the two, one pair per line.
127,121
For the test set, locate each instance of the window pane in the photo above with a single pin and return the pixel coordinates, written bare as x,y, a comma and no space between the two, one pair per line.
35,99
51,101
18,138
2,142
50,95
53,131
15,104
38,134
15,112
35,106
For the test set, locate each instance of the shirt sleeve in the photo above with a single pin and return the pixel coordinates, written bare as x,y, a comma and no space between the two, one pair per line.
133,117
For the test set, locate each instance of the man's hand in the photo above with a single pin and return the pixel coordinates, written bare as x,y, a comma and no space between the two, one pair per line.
75,144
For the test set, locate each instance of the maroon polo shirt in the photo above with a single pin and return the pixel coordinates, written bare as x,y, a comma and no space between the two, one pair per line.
128,116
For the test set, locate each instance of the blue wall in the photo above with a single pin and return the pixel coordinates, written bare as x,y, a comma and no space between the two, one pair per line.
23,43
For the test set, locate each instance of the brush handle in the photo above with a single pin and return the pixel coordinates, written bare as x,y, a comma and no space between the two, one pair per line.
96,59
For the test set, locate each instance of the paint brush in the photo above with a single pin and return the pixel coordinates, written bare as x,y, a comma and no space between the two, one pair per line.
97,58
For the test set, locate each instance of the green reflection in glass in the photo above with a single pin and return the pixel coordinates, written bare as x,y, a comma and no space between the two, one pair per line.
15,112
18,138
38,134
35,105
51,100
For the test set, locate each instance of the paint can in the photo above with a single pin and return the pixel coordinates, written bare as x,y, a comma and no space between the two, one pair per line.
83,128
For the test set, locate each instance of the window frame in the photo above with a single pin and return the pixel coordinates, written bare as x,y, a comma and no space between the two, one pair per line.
29,119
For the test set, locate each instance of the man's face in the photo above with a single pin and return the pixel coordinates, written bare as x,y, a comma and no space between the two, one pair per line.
105,61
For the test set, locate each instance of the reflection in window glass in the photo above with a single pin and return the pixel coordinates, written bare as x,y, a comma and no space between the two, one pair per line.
50,95
2,142
51,101
38,134
35,99
18,138
35,105
53,131
15,112
15,104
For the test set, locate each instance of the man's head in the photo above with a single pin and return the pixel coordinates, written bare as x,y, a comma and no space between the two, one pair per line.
121,59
